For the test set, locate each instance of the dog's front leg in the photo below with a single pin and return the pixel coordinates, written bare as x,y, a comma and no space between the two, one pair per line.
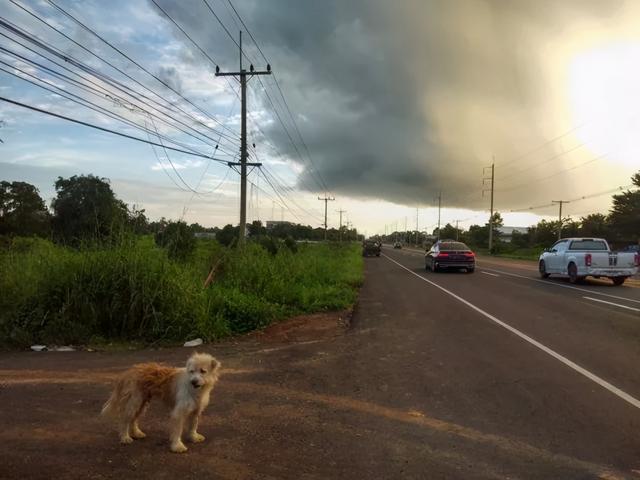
177,417
194,436
124,430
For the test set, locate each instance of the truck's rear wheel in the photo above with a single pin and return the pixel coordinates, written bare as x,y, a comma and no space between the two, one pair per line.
572,270
618,280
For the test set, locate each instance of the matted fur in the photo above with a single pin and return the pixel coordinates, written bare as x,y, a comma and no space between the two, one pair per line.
185,390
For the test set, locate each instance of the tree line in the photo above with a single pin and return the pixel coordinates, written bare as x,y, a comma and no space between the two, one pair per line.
86,209
621,226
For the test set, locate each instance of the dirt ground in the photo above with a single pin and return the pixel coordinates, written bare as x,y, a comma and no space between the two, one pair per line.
412,385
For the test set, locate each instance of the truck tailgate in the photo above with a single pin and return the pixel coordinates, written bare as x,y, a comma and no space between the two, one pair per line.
613,260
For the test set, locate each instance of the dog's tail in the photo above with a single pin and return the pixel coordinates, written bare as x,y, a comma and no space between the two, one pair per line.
113,406
107,408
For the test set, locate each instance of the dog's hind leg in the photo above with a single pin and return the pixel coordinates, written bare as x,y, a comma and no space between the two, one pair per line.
128,420
194,436
134,427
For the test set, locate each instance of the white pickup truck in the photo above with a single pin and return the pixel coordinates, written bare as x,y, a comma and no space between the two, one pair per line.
577,258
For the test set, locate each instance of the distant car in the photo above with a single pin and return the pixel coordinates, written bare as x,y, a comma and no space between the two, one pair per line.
397,245
577,258
450,254
370,247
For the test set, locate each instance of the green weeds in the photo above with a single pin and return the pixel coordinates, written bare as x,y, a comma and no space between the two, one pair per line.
133,291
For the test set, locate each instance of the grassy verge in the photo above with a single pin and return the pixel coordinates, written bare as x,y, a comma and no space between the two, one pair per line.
531,254
51,294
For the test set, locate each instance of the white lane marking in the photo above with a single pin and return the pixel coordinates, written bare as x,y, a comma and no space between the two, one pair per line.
489,273
591,376
547,282
611,303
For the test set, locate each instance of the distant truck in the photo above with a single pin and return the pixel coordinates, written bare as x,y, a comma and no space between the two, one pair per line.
577,258
370,247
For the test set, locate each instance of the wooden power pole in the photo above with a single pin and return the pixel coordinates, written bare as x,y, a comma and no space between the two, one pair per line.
243,76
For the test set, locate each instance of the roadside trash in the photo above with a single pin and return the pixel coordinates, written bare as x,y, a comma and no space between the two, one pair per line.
64,348
193,343
38,348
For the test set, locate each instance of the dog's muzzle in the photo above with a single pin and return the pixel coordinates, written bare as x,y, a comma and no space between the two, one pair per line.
195,384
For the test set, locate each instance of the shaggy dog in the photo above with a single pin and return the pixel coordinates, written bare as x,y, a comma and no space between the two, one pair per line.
185,390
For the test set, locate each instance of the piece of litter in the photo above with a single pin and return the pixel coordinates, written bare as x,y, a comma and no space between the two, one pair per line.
38,348
64,348
193,343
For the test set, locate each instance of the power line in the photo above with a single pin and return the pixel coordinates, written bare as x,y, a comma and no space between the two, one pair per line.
540,147
275,78
275,190
86,124
65,57
81,101
554,157
526,184
106,42
574,200
103,77
321,183
193,42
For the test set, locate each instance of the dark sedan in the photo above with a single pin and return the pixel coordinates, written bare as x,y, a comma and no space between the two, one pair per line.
450,254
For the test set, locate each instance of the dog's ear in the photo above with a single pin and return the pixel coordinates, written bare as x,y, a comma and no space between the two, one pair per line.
215,364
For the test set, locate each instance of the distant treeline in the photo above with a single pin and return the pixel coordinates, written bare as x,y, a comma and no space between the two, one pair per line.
86,209
621,226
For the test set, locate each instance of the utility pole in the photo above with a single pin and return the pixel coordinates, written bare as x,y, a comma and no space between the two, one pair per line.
560,203
405,231
325,200
439,207
491,179
457,231
241,76
341,212
416,226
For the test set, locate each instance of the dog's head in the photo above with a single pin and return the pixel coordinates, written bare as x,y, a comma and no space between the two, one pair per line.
202,369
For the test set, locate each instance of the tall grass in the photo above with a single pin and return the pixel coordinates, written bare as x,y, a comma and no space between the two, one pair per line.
132,291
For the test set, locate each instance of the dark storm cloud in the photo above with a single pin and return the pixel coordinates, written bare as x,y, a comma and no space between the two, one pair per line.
397,100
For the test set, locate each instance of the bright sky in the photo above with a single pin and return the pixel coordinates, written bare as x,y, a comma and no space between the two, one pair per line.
394,105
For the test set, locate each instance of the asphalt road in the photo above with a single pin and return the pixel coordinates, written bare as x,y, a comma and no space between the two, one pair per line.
491,375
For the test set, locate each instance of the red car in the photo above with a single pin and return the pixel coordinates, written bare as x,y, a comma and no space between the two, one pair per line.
450,254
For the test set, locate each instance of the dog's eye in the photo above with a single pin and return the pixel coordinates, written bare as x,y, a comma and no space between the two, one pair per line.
191,371
202,370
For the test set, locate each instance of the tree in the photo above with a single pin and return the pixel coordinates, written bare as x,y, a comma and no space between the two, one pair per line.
478,236
22,210
544,233
595,225
447,232
228,235
570,228
624,216
137,220
178,238
497,223
86,208
520,240
256,229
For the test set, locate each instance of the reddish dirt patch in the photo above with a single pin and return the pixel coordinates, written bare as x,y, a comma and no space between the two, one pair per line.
305,328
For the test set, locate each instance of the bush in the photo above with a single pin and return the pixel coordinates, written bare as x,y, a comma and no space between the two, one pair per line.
269,244
291,244
179,240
